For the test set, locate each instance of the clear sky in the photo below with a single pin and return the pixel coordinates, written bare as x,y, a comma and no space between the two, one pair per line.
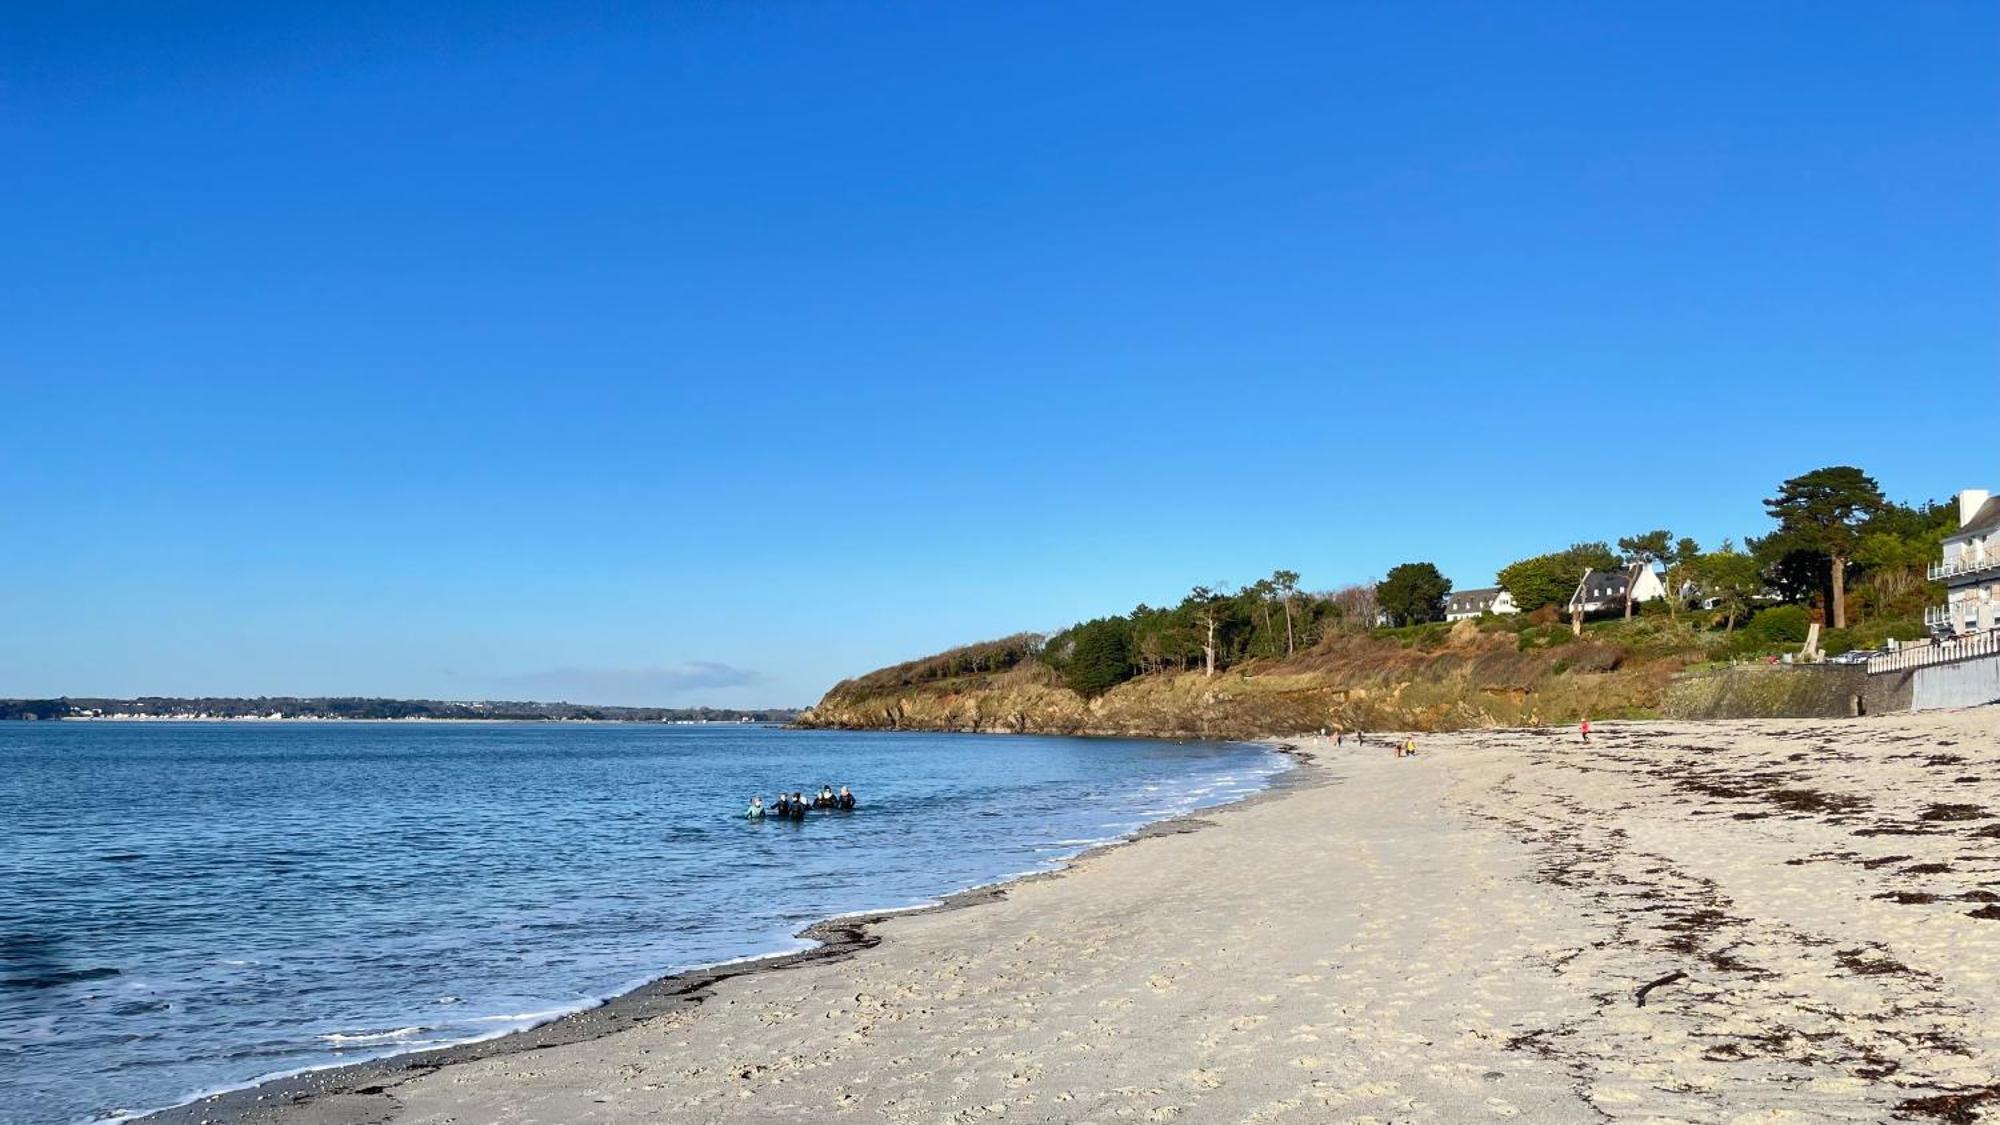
663,353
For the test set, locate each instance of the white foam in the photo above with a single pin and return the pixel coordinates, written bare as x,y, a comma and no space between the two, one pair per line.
522,1017
366,1037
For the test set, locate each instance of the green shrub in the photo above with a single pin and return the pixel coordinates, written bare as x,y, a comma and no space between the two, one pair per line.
1872,634
1544,636
1780,624
1429,635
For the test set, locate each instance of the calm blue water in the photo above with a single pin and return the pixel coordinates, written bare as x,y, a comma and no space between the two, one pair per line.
190,906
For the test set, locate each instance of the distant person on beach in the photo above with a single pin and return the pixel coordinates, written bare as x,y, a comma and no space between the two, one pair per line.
756,810
1584,727
846,799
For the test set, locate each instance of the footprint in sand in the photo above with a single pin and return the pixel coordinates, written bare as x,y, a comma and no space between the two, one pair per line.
1205,1079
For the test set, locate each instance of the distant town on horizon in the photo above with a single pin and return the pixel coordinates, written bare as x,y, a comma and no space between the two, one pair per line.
355,707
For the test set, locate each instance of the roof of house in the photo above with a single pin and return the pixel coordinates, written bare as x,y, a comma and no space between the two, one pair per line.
1986,519
1613,581
1482,592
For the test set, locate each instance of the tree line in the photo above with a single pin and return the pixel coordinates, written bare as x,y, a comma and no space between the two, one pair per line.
1836,546
1211,628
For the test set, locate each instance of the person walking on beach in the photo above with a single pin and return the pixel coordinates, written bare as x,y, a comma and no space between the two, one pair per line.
1584,727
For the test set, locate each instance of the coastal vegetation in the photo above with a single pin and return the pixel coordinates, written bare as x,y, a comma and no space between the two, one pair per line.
1548,579
1273,655
1413,592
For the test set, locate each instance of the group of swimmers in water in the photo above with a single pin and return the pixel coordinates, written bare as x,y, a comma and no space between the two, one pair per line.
794,806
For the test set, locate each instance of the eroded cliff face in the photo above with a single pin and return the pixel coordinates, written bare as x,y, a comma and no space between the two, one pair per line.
1360,683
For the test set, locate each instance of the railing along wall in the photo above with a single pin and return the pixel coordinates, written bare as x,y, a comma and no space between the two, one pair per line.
1963,565
1937,652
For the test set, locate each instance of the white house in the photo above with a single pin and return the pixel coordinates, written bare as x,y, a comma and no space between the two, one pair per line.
1464,604
1971,568
1603,590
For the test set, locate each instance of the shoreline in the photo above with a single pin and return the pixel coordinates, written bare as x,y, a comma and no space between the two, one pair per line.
838,938
1677,921
1731,921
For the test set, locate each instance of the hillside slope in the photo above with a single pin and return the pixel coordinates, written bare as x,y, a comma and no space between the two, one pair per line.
1441,679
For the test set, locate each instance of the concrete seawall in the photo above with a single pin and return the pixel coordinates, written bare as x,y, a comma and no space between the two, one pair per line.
1961,683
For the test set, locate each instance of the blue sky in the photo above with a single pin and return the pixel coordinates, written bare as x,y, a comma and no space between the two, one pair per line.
710,352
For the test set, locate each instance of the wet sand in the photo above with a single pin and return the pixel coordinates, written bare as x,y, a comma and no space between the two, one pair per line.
1732,922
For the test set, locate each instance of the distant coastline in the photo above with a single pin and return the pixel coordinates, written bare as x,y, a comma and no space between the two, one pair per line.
356,708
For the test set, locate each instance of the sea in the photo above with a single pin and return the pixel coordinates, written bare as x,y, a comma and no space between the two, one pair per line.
192,907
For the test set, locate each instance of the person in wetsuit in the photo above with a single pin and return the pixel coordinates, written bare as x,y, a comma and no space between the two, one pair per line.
798,806
846,800
756,810
825,798
783,806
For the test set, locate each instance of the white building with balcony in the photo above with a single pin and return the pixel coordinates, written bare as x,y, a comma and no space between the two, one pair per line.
1971,568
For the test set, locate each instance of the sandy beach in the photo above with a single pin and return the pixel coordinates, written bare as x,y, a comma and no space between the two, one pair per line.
1730,922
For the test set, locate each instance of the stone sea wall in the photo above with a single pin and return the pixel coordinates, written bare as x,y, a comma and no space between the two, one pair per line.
1770,691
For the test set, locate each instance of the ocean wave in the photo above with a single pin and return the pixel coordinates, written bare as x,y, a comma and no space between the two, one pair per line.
542,1016
366,1038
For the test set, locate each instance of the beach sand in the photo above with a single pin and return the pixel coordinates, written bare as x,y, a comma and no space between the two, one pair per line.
1467,935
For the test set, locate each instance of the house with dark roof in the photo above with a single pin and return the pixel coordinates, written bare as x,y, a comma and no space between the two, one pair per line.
1603,590
1465,604
1971,568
